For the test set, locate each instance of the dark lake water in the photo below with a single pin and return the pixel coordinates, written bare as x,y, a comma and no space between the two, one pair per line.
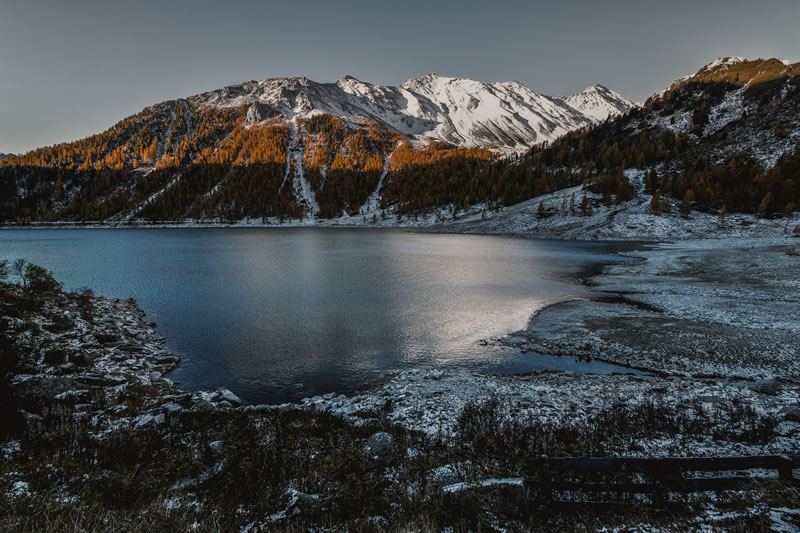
279,314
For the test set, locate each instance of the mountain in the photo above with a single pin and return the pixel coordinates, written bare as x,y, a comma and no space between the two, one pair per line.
5,156
503,116
724,139
291,150
599,103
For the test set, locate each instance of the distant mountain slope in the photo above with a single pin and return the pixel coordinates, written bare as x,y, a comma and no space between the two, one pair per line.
599,103
5,156
726,139
290,148
504,116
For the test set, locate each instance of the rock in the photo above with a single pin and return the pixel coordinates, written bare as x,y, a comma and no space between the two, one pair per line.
155,376
445,475
228,396
436,374
766,386
209,396
327,396
146,420
786,429
130,347
56,356
204,406
36,388
101,381
73,396
224,404
81,358
171,407
167,359
380,443
106,338
316,399
791,413
217,446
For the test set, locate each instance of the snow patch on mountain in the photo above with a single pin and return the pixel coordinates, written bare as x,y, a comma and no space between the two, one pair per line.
6,156
502,116
724,62
599,103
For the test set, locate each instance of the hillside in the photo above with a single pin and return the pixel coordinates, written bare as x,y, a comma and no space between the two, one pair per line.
721,141
432,151
291,148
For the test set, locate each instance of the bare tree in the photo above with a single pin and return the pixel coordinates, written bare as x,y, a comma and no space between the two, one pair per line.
19,268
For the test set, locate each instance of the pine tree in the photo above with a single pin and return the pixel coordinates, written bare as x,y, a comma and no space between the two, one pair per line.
655,203
586,209
764,206
688,200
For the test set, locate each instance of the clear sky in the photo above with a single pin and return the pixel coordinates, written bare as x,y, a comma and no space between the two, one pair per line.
69,69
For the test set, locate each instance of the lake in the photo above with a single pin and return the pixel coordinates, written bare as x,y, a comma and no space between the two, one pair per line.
276,314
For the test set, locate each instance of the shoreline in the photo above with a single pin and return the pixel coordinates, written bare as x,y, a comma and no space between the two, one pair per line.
427,430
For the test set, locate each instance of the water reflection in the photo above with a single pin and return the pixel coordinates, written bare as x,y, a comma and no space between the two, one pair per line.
280,314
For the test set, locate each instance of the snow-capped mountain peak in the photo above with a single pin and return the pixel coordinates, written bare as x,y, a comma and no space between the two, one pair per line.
502,116
599,103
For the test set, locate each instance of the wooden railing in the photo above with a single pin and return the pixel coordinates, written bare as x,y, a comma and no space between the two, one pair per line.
618,479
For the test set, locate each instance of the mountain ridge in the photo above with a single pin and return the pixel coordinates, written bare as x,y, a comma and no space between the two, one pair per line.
291,150
500,116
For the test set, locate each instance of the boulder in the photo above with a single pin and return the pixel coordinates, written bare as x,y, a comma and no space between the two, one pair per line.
787,429
204,406
766,386
146,420
56,356
380,443
171,407
445,475
791,413
228,396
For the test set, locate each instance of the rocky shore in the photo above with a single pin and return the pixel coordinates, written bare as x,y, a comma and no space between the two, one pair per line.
108,442
100,362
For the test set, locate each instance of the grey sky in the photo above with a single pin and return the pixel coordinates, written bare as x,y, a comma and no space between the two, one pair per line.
69,69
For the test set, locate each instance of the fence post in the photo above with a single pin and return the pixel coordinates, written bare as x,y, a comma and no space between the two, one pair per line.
785,468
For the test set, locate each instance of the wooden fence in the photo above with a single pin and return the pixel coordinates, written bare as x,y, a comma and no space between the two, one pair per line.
618,479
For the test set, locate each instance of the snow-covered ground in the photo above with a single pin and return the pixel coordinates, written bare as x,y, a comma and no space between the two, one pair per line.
429,401
632,220
723,307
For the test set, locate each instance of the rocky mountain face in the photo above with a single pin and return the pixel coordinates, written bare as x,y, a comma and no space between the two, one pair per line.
503,116
5,156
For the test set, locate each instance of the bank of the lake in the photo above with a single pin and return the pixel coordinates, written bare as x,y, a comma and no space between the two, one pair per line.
277,315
